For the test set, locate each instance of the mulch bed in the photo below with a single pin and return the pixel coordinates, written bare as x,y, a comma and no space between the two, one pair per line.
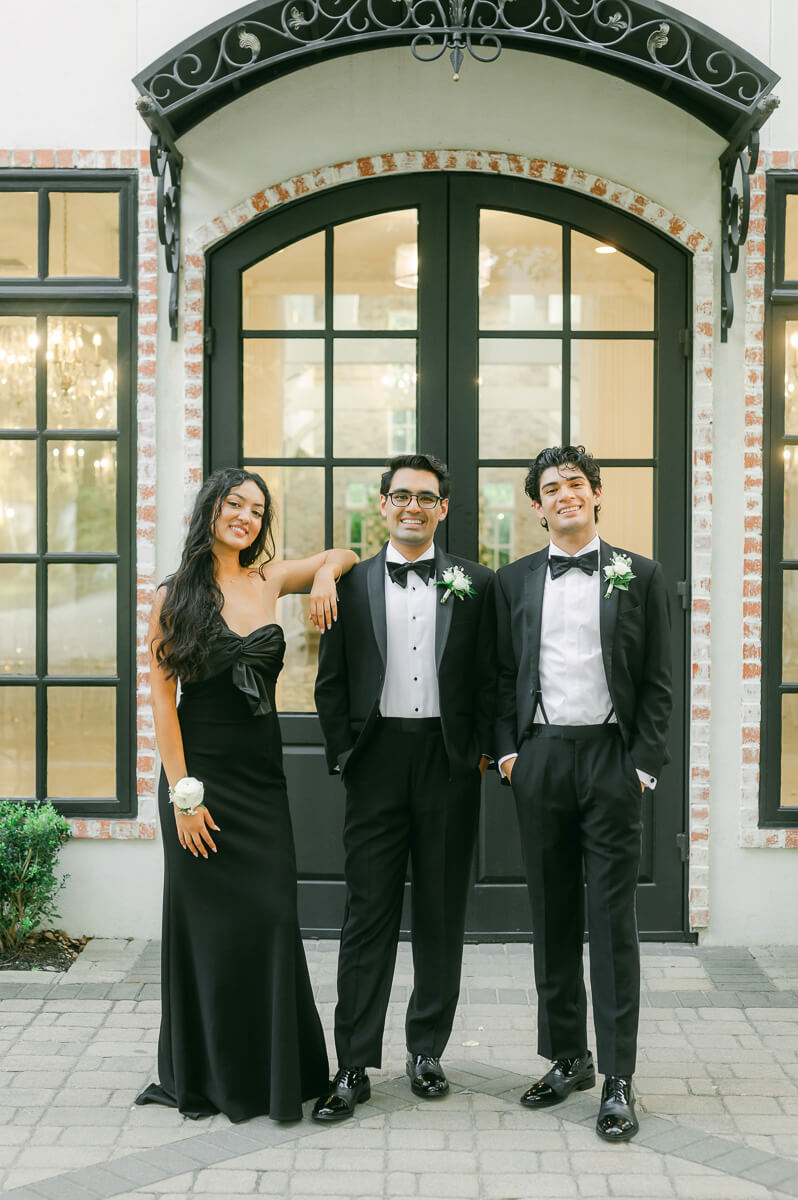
52,950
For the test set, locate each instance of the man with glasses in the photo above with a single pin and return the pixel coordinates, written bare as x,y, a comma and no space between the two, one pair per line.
405,699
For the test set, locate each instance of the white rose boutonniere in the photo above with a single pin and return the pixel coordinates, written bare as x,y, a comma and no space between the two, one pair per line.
618,574
187,795
456,582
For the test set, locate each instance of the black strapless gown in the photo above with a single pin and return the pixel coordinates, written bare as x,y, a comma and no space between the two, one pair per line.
240,1033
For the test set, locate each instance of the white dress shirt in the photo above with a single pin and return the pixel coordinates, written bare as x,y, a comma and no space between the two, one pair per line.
411,679
573,684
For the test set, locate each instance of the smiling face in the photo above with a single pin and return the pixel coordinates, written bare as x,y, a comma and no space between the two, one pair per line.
568,504
412,529
241,516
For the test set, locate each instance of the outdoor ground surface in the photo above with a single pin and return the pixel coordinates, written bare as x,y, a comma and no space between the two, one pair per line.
717,1084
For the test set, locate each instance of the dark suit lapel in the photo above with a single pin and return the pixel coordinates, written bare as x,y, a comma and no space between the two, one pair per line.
376,590
534,584
608,612
443,612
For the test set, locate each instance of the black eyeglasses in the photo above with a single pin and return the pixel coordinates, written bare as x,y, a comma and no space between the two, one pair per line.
425,499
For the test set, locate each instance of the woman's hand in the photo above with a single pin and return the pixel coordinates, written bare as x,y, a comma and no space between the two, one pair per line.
193,832
324,598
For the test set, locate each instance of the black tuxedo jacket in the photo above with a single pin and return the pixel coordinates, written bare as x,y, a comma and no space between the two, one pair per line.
352,657
635,645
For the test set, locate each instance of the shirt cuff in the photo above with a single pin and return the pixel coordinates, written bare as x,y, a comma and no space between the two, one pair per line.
647,780
503,760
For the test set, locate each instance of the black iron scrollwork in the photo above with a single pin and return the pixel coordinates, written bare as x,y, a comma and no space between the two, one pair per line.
166,163
737,164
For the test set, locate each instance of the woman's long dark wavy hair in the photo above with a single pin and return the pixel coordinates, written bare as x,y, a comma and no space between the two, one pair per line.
193,602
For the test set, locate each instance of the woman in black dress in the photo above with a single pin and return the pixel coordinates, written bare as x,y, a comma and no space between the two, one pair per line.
240,1033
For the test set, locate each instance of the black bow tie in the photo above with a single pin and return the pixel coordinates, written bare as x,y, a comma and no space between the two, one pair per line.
424,569
588,563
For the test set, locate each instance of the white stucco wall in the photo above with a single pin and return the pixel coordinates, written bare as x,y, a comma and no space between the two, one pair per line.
381,102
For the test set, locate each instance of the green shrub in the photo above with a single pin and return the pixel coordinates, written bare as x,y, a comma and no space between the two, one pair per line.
31,837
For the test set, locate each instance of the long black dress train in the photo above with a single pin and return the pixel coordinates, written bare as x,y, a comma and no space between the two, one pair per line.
240,1033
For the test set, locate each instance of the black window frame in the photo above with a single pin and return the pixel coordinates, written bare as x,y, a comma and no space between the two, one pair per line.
781,306
111,296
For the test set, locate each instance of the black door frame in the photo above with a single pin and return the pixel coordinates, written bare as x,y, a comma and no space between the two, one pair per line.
446,308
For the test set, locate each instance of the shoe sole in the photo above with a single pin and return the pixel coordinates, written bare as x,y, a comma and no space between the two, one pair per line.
344,1116
584,1086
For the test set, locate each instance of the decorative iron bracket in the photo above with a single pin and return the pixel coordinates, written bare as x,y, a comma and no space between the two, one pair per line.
166,164
738,162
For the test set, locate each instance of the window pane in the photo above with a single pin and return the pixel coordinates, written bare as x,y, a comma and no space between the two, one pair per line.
18,343
284,397
612,397
520,396
84,233
18,627
19,235
17,497
81,619
358,523
789,751
627,508
789,625
609,290
791,239
298,499
509,527
376,272
81,372
296,680
17,742
84,765
81,496
791,377
791,503
286,290
374,387
520,272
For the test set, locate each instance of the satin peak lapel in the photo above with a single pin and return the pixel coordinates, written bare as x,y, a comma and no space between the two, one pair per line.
376,591
608,612
533,607
443,612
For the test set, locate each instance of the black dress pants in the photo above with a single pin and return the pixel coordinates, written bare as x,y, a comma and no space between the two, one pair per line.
579,809
400,804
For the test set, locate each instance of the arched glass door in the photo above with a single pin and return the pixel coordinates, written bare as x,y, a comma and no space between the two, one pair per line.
480,319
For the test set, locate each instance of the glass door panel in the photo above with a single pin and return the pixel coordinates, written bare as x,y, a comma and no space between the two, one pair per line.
612,397
609,289
519,271
286,290
520,394
283,397
376,272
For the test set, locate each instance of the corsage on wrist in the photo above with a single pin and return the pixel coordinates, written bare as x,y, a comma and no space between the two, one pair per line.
187,795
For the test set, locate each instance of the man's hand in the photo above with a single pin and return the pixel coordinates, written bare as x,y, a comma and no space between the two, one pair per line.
507,766
484,763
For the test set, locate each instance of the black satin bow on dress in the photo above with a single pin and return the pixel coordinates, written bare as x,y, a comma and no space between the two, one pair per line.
259,653
559,564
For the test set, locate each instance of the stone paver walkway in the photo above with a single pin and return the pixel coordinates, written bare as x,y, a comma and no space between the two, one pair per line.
717,1084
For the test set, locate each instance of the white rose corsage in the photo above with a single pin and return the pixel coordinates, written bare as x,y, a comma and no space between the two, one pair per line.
618,574
456,582
187,795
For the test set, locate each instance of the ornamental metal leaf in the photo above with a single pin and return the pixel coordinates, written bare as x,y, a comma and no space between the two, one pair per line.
616,22
658,38
295,18
249,41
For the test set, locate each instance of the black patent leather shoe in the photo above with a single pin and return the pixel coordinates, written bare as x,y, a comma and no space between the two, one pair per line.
426,1076
616,1121
566,1075
351,1086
